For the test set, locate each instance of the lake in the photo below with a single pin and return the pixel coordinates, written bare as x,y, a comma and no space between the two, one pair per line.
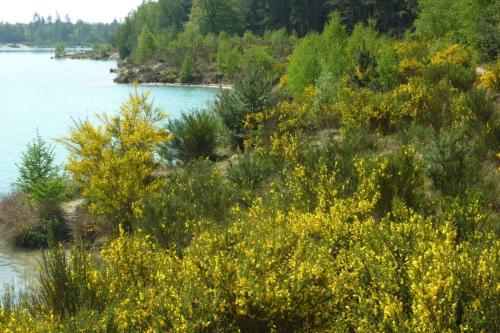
40,94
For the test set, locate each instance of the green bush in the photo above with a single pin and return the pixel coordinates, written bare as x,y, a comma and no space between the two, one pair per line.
469,214
65,285
26,225
18,219
32,215
250,171
195,136
251,94
402,181
197,192
101,51
451,161
460,77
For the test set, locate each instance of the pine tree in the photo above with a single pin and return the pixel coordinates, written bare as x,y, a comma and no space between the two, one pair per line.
60,51
188,69
39,175
145,45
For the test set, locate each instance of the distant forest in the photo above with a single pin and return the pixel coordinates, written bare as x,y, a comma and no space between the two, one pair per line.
48,31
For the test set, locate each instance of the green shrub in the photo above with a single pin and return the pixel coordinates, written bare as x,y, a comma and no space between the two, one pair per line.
364,72
481,105
402,181
65,285
451,161
26,225
460,77
251,94
469,213
101,51
18,220
387,67
250,171
195,135
195,193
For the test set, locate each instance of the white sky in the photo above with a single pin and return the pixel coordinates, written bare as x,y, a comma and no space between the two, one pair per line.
13,11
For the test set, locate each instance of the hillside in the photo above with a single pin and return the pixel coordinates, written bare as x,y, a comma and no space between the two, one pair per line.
349,182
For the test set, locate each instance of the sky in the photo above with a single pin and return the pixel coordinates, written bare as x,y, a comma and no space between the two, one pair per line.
87,10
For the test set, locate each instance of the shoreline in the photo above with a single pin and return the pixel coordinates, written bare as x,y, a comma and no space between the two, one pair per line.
187,85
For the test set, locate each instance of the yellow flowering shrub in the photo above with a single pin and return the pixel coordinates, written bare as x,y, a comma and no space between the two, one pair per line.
409,67
114,162
413,49
490,80
454,54
338,267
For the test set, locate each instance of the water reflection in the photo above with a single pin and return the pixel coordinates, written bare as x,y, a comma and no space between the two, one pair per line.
18,268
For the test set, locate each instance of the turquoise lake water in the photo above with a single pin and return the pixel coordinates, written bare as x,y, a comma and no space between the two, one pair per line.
40,94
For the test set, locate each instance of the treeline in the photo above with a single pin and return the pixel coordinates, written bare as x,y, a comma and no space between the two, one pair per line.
167,18
49,31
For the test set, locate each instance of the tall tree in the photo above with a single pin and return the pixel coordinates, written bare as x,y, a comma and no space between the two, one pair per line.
172,14
390,15
215,16
145,45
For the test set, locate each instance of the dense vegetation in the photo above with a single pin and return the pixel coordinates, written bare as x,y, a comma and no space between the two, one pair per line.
206,41
352,188
50,31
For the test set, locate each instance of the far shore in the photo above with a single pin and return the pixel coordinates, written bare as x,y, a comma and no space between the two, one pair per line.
205,85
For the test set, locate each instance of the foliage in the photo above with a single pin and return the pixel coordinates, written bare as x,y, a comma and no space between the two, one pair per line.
197,194
113,162
60,51
33,216
250,171
24,225
39,175
195,135
227,57
188,71
251,94
451,162
48,31
101,51
304,68
18,219
171,21
490,80
286,271
215,16
366,201
145,45
458,22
